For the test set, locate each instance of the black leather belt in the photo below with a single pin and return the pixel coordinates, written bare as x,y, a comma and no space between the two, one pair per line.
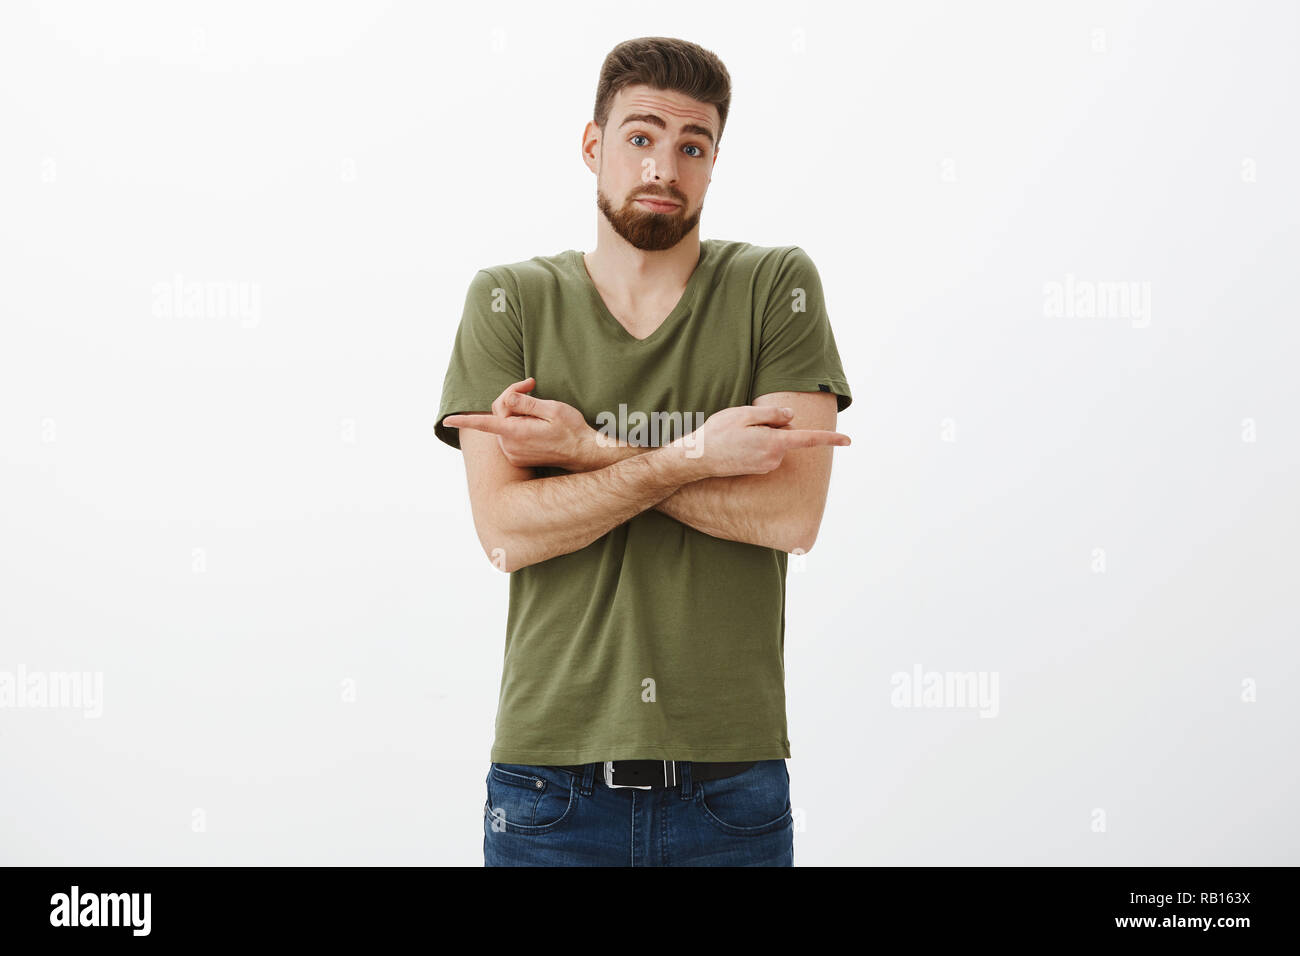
658,774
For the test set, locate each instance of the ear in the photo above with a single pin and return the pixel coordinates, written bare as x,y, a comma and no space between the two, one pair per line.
590,146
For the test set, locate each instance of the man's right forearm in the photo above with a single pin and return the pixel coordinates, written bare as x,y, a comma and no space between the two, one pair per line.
545,517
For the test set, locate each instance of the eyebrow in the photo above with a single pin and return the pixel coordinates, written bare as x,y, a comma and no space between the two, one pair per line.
654,120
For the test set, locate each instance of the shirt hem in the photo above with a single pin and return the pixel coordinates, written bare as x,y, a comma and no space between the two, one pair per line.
599,754
838,387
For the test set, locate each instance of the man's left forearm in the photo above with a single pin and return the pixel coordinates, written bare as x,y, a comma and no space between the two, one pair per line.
781,508
767,510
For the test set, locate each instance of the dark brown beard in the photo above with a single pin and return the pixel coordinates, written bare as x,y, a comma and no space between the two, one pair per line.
645,230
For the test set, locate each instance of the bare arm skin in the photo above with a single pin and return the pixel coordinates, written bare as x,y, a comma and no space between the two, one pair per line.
530,520
779,507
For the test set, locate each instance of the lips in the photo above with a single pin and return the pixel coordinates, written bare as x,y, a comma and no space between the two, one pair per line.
661,205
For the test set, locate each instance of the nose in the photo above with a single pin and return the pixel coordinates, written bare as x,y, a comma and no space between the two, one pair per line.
666,167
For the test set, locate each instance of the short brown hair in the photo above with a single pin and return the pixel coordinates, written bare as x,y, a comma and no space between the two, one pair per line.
664,63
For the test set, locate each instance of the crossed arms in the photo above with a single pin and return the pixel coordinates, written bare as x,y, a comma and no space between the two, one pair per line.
752,474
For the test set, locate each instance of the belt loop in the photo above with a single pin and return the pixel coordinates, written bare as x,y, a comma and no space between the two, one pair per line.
588,777
684,771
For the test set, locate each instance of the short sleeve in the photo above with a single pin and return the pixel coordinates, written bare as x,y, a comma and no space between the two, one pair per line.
487,355
797,352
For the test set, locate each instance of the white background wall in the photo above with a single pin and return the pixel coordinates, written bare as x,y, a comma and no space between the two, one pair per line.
234,517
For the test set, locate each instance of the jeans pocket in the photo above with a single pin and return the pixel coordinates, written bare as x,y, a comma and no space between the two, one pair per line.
752,802
528,799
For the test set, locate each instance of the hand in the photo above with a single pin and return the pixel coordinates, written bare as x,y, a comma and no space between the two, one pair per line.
534,432
751,440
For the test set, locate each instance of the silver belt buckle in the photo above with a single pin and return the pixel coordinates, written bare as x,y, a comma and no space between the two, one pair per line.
609,777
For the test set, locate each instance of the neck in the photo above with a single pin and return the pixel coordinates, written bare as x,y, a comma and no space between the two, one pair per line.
633,274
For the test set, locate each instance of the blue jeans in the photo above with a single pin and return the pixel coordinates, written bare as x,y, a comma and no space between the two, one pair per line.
545,816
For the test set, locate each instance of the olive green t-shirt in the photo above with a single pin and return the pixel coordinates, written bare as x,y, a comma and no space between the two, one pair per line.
656,641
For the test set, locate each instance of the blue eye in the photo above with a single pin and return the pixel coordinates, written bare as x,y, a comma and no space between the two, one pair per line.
699,152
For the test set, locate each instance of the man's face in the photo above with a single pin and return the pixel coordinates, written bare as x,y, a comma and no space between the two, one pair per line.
659,144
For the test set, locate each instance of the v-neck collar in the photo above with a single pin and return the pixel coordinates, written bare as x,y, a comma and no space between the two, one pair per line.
681,309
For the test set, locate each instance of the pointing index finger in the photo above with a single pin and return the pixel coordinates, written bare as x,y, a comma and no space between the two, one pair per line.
810,437
485,423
